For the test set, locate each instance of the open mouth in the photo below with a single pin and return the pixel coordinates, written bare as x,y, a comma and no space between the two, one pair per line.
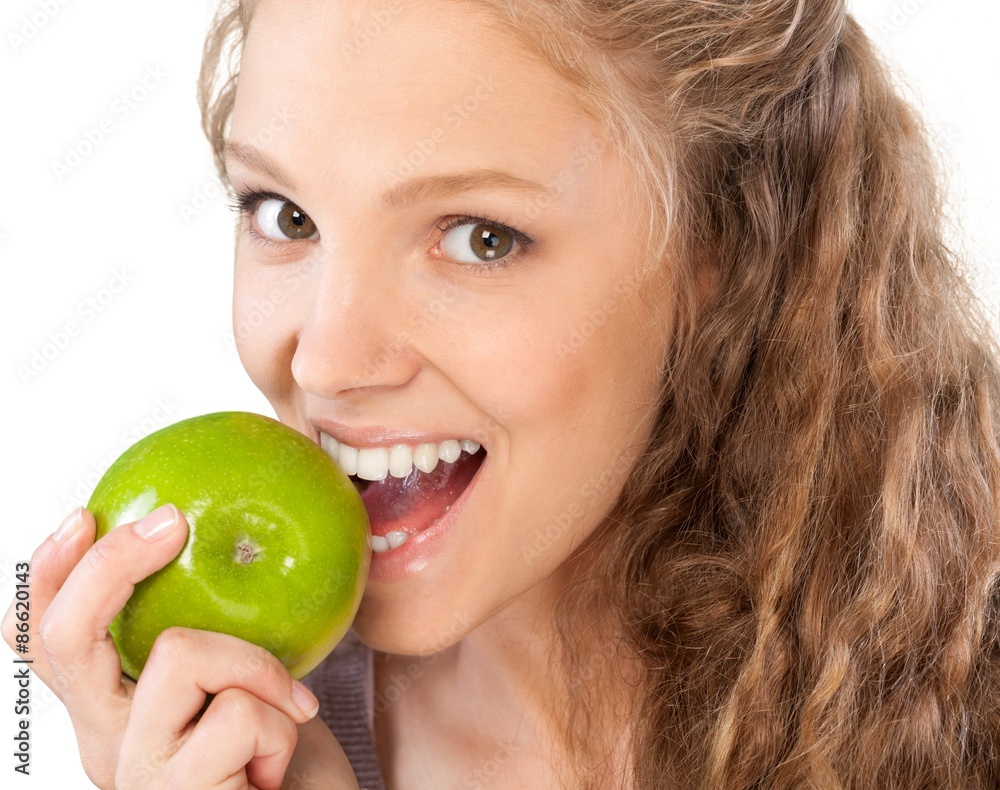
399,507
406,488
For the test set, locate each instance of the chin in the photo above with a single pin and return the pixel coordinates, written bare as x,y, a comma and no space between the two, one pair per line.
410,631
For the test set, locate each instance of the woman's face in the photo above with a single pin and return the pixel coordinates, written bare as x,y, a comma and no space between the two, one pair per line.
368,320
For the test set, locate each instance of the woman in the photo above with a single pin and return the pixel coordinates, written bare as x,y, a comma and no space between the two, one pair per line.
677,268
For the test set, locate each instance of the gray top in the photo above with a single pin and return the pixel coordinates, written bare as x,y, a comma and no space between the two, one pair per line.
344,686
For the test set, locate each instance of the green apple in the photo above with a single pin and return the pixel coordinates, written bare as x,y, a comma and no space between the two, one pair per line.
278,550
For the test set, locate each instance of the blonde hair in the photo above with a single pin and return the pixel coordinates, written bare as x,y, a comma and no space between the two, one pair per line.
804,561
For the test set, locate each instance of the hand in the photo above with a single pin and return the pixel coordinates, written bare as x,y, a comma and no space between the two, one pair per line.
319,763
153,733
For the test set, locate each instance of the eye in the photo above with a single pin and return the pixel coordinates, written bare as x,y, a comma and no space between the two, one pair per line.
282,220
479,240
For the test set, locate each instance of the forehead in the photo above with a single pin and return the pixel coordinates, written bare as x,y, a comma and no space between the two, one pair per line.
398,88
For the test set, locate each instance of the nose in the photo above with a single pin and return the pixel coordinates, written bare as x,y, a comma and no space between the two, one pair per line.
354,332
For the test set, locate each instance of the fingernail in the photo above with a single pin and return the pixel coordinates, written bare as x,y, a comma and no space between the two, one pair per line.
304,699
156,524
70,526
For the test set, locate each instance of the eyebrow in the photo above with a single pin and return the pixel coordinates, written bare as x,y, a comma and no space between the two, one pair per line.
255,159
424,188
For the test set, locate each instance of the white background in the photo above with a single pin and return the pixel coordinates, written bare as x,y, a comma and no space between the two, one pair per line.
145,205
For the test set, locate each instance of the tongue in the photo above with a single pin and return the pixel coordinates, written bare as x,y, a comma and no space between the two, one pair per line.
411,504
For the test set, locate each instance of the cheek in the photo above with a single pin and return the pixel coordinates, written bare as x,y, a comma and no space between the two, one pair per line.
551,364
580,395
264,330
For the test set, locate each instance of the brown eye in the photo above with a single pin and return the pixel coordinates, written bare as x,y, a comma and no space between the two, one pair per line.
486,242
282,220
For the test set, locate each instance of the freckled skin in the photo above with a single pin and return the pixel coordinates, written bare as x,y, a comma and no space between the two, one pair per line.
277,551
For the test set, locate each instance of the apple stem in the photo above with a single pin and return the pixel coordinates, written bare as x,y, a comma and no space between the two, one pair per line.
246,551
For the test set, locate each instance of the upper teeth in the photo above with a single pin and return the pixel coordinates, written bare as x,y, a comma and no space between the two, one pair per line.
375,463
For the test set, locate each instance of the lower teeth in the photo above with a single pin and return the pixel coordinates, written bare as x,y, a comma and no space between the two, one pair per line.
393,540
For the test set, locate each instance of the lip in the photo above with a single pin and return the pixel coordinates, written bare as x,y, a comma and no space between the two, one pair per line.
380,435
418,551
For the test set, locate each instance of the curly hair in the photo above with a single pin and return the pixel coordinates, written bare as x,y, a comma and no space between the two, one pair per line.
804,561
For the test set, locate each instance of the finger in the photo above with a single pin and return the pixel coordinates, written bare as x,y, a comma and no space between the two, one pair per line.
186,665
237,730
48,569
74,630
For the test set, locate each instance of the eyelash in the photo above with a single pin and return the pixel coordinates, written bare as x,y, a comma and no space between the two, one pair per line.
246,203
522,239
